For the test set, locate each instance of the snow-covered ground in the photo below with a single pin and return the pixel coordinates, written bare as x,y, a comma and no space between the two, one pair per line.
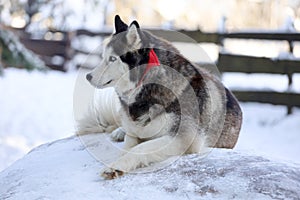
37,108
65,170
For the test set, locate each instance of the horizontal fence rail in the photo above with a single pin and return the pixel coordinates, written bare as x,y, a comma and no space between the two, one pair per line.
276,98
291,37
226,62
250,64
46,47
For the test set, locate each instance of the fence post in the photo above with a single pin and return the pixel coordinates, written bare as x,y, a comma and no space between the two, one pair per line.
289,110
290,77
69,51
291,46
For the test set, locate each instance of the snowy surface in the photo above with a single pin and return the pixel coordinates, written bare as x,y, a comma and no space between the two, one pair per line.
37,108
65,170
268,131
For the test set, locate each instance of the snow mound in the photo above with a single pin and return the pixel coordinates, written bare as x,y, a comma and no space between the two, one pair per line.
65,170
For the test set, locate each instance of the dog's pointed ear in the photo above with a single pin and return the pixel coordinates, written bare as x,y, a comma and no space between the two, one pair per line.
120,26
133,33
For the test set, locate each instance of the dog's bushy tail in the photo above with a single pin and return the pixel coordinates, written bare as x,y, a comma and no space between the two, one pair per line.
102,115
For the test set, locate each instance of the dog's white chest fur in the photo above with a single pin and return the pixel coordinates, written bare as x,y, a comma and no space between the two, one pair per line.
157,127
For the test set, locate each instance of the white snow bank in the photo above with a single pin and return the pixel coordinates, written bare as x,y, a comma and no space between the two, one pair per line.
35,108
268,131
65,170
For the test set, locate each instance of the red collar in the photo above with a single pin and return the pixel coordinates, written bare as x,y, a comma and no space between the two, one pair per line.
152,62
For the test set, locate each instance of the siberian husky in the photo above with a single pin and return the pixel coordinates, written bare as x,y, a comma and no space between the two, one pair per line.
169,105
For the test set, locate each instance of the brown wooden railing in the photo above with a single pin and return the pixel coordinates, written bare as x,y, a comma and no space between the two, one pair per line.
47,49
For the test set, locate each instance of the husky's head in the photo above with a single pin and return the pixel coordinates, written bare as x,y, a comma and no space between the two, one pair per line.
126,49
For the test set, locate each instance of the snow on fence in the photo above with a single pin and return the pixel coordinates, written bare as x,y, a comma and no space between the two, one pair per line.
50,49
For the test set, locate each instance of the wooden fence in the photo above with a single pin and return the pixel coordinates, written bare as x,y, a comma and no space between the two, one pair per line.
47,49
251,64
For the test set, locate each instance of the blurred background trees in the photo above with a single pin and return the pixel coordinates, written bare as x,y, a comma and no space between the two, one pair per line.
94,14
39,15
54,19
13,53
208,15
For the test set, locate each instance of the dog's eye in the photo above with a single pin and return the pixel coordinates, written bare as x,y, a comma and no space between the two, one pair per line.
112,59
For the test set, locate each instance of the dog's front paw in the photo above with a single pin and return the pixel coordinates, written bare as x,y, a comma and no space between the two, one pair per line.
118,135
110,173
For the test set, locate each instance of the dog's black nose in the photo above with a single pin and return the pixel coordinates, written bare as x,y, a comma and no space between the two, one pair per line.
89,77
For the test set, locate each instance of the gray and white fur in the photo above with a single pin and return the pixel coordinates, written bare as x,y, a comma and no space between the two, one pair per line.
179,107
